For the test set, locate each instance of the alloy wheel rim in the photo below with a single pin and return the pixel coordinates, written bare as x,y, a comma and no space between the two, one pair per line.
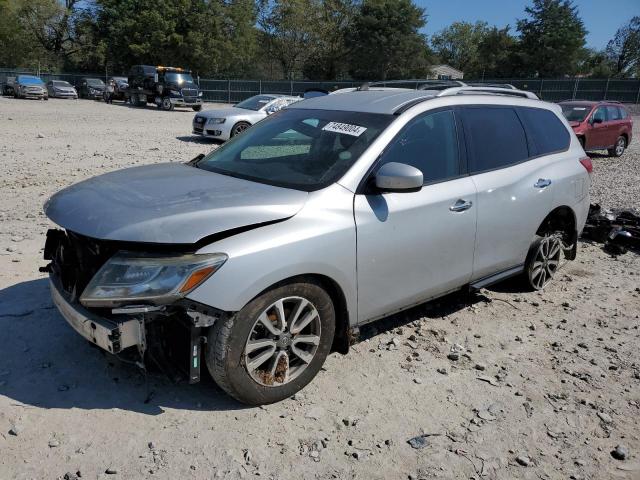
546,261
620,146
283,341
240,129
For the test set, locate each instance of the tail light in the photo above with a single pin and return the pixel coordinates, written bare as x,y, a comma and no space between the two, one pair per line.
586,163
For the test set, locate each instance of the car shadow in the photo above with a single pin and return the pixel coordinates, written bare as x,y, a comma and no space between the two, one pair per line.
198,139
45,363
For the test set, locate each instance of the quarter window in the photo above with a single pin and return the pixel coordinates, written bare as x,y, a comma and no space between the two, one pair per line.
429,143
546,131
496,136
623,113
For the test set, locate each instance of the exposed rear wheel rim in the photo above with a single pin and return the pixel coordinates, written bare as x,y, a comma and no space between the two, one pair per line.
620,144
546,261
283,341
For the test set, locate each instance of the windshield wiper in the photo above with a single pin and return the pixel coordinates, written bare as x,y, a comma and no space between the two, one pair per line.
194,161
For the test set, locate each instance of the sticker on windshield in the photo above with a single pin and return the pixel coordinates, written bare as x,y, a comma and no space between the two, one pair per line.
353,130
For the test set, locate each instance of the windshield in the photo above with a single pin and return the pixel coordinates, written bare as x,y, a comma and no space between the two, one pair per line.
60,83
30,80
255,103
297,148
178,77
95,82
575,113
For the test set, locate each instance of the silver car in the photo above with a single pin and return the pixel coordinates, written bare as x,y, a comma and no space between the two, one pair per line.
61,89
224,123
265,255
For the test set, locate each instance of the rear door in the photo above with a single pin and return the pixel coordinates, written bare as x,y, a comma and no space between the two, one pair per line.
412,246
615,124
514,192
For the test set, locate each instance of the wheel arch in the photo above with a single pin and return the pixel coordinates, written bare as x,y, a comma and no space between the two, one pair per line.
562,219
341,339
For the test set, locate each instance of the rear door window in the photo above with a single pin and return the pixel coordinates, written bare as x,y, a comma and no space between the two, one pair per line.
429,142
496,138
623,113
545,130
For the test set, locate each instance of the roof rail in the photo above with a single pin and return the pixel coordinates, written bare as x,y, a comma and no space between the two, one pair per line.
488,91
492,85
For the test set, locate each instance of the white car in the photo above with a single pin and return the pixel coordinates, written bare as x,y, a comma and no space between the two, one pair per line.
224,123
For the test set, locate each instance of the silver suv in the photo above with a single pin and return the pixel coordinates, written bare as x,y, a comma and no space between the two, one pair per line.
263,256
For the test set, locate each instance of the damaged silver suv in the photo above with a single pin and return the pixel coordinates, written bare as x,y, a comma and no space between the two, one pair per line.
262,257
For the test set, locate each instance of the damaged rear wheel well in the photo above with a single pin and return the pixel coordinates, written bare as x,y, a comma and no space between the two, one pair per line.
562,220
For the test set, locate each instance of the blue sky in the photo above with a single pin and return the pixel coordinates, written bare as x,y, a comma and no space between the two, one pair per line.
601,17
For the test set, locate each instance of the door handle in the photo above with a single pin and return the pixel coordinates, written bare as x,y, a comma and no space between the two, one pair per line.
542,183
461,206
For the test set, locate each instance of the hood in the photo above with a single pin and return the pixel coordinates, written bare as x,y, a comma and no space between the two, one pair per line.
168,203
228,112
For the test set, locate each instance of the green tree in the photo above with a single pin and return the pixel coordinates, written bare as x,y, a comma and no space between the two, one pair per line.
20,48
496,54
624,49
551,38
458,46
385,42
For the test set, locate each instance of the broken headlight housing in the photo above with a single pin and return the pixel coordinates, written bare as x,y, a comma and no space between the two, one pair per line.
158,280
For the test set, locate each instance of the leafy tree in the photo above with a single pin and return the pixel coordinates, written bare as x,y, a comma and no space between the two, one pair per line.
384,41
496,54
624,49
594,63
20,47
552,38
458,46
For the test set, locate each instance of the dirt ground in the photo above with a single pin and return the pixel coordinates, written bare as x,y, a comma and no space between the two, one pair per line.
545,387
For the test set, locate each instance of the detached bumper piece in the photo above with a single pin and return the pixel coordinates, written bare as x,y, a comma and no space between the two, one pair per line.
110,335
619,232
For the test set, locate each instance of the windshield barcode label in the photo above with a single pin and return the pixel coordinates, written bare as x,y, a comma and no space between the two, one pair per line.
345,128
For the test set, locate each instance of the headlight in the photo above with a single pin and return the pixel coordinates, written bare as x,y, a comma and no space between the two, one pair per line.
199,94
216,121
129,277
91,90
175,92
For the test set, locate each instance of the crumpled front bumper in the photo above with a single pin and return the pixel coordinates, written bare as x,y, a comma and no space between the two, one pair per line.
110,335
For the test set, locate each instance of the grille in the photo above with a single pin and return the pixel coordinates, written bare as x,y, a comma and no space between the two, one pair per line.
189,92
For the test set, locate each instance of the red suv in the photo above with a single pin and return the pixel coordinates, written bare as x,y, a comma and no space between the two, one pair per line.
600,125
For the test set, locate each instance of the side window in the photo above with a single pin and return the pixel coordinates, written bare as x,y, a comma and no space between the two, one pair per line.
429,143
613,113
546,131
623,113
496,136
600,114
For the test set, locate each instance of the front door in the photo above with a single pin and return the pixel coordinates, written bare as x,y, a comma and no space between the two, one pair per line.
599,131
412,246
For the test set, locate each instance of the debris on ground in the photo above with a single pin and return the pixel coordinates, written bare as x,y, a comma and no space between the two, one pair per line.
619,232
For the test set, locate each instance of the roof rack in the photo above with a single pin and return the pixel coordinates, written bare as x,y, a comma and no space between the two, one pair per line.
488,91
491,84
587,100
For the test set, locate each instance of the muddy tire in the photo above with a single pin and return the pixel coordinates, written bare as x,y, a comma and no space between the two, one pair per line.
239,127
619,147
274,346
543,260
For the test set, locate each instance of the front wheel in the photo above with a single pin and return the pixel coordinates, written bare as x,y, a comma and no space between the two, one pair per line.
274,346
619,147
239,127
197,108
543,260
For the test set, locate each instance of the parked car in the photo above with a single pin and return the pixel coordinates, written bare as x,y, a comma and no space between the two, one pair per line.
331,213
8,86
61,89
224,123
602,125
30,86
91,88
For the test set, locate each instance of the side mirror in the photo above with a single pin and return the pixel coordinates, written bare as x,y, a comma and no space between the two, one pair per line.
398,177
595,120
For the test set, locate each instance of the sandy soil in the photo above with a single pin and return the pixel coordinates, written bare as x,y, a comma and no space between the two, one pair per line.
546,386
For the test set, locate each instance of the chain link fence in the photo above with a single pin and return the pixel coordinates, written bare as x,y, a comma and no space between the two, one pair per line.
233,91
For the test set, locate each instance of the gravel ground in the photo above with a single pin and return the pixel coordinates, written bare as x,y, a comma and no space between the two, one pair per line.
546,385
